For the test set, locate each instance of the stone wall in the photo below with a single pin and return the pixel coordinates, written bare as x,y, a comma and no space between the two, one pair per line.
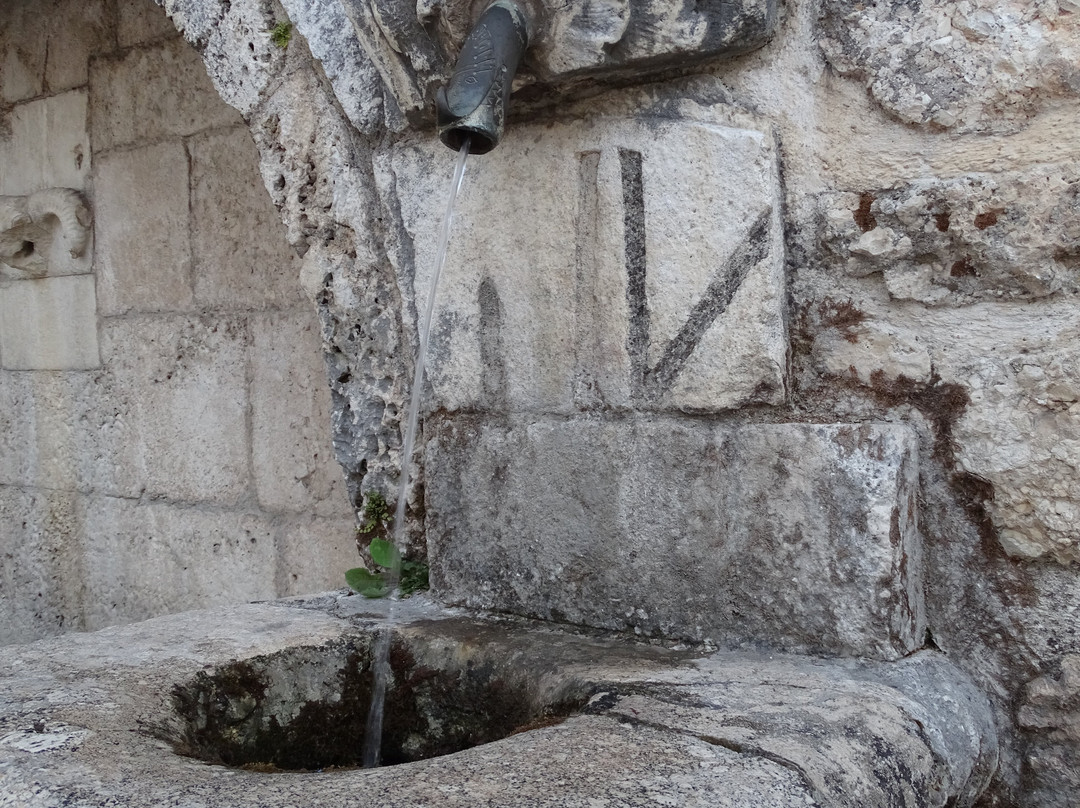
164,441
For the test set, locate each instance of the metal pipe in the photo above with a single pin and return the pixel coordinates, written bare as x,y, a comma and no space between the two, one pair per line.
474,103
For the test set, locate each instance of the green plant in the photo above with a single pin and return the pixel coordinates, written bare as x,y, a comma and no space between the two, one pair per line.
281,33
411,576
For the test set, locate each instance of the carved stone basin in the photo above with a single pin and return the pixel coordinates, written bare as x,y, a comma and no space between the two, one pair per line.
542,716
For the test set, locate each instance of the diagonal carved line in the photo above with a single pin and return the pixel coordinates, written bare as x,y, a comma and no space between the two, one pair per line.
637,340
713,303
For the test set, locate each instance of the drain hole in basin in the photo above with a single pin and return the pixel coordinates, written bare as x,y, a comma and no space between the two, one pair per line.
306,708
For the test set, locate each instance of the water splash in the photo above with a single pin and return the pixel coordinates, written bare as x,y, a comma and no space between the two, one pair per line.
381,652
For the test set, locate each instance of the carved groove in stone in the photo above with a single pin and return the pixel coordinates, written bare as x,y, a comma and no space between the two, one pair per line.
45,232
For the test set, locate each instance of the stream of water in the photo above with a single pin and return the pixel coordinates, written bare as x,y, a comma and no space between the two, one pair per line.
381,655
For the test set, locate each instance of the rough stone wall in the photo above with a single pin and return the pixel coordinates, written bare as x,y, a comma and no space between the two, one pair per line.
164,441
930,159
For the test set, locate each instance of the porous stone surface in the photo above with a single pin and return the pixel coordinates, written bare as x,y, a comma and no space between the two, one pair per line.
684,529
1051,711
96,718
973,66
1000,236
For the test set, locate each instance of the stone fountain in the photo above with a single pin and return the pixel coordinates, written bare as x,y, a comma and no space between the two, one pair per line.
651,584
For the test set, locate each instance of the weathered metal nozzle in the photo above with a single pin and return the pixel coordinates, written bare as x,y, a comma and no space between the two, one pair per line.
473,104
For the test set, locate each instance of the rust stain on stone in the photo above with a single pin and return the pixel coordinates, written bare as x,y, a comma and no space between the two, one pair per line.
863,217
988,218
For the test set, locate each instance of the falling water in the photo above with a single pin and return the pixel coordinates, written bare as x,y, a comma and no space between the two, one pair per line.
373,733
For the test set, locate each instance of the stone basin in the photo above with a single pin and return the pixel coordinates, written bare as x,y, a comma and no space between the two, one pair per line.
480,712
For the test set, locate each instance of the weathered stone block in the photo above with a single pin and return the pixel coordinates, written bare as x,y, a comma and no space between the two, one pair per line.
241,255
45,424
141,559
180,385
40,554
313,555
47,145
292,456
22,50
153,92
797,537
141,21
79,29
626,276
49,324
143,250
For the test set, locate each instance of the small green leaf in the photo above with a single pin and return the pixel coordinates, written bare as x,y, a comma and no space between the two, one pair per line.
368,584
384,553
414,577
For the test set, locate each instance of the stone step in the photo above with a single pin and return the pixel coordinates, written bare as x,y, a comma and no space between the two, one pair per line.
794,537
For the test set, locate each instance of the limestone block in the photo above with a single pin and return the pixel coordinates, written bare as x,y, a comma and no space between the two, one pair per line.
594,265
179,386
146,559
314,553
79,29
144,254
45,425
141,21
47,145
40,573
981,65
794,537
240,252
152,92
292,455
23,51
49,324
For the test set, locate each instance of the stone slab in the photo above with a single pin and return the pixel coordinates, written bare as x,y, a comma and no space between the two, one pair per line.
49,324
90,718
292,457
592,265
144,559
143,246
178,389
796,537
40,556
47,145
239,248
314,552
151,92
141,21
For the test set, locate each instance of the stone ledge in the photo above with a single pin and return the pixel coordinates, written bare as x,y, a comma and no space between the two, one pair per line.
794,537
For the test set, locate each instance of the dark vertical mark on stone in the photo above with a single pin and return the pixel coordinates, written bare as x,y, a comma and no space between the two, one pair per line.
588,393
713,303
492,363
863,216
634,232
